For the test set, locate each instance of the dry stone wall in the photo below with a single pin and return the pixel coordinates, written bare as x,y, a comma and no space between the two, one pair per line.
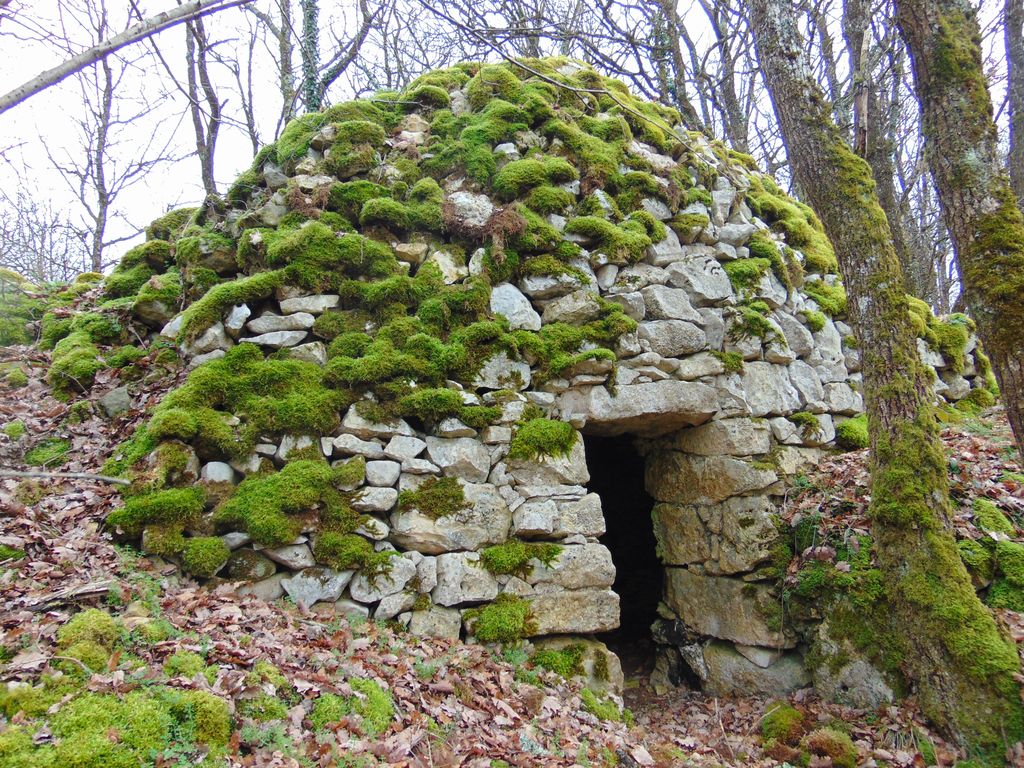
729,379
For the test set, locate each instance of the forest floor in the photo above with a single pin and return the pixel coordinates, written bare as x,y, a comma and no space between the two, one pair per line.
455,704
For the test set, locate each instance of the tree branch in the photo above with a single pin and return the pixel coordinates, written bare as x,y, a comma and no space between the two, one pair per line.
133,34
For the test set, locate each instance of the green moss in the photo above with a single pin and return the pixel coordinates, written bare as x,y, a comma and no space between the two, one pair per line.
796,221
177,506
852,434
90,625
385,212
169,226
746,274
514,556
15,430
435,498
751,320
49,453
207,715
74,365
184,663
91,654
263,708
271,508
8,553
815,320
348,551
204,555
371,702
505,620
16,378
988,518
604,709
833,744
732,362
209,309
622,244
782,723
831,298
808,423
546,199
542,437
567,662
491,82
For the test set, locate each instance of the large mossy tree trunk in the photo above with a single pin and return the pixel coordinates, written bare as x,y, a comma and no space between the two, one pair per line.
978,204
952,651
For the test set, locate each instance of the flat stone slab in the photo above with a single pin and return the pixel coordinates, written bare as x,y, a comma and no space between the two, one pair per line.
647,410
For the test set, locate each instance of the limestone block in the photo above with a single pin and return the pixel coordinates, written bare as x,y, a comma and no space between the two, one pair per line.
725,608
355,424
576,567
724,671
667,251
314,305
632,304
736,437
841,398
436,622
664,303
579,518
797,336
509,301
367,589
552,470
576,308
311,352
374,500
462,579
292,556
316,584
808,386
689,479
462,457
276,339
672,338
702,279
269,322
213,338
235,319
392,605
535,518
383,473
648,409
499,372
471,209
577,611
268,589
483,522
350,445
403,447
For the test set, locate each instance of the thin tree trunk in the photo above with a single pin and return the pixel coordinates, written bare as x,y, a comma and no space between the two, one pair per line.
99,151
1013,29
951,648
310,52
978,204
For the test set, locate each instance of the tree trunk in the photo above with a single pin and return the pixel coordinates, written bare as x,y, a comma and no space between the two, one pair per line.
310,52
950,646
1013,28
978,204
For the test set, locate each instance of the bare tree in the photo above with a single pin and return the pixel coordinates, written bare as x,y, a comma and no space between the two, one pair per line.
106,161
1013,29
39,242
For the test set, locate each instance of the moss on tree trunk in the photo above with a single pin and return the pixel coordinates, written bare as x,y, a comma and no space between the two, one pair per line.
978,204
952,651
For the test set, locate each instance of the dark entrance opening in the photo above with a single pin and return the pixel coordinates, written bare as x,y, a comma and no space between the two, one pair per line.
617,476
